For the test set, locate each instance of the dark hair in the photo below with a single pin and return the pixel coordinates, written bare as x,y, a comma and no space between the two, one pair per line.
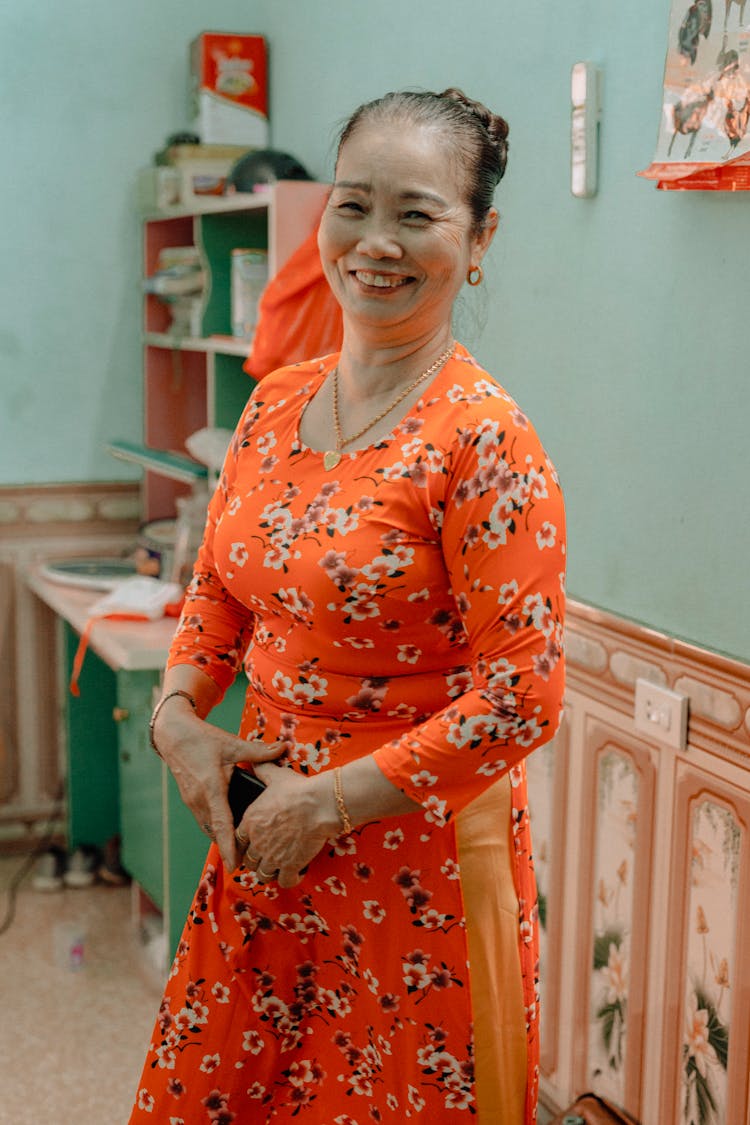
479,137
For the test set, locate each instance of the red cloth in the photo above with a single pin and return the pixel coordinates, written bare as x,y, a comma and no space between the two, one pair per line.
298,315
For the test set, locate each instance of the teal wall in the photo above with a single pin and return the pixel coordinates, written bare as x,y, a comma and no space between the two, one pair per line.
619,323
88,92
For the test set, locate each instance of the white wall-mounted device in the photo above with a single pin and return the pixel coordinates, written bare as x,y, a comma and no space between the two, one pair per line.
585,97
661,713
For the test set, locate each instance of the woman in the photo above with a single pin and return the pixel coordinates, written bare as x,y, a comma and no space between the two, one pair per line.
388,538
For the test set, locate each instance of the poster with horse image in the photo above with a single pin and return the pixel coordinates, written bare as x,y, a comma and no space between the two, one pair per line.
705,118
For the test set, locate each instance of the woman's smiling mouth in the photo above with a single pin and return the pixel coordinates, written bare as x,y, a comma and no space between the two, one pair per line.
381,280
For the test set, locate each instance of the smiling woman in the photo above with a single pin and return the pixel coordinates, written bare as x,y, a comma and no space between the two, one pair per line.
400,233
385,552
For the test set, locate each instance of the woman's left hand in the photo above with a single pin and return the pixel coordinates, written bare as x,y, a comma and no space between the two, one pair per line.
287,825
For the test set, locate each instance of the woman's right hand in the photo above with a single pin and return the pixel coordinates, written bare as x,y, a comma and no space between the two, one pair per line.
200,757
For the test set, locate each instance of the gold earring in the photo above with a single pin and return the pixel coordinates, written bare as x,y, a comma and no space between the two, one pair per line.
475,275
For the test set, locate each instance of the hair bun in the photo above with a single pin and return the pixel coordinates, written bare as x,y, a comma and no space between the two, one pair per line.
496,126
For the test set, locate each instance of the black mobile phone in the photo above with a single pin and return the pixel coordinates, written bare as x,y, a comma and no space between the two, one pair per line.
244,788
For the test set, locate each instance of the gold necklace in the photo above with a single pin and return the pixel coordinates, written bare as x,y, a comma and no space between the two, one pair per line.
333,456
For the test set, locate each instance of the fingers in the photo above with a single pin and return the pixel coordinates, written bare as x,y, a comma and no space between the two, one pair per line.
264,870
268,772
290,878
247,856
239,750
222,830
280,833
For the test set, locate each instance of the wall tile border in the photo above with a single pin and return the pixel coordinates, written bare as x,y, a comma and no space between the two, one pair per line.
607,653
27,511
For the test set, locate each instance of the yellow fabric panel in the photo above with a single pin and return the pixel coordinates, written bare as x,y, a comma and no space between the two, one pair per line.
483,833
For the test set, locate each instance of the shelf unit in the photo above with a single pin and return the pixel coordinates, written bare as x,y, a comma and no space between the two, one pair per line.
189,382
196,381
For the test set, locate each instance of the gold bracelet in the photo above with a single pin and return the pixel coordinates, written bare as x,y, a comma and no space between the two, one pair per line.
338,791
157,709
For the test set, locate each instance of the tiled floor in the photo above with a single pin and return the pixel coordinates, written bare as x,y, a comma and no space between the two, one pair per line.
72,1041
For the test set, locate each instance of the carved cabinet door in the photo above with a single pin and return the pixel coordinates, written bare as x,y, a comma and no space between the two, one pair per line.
704,1054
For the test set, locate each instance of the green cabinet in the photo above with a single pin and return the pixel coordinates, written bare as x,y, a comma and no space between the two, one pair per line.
117,785
185,844
93,806
140,775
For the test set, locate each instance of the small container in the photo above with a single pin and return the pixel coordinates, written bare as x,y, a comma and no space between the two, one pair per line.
154,552
249,279
70,945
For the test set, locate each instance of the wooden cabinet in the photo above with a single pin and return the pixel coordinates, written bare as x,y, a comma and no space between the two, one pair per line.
185,846
192,381
117,785
643,864
140,784
592,795
706,928
90,738
162,846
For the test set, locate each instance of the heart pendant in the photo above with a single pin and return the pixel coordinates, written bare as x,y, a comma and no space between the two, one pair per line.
331,459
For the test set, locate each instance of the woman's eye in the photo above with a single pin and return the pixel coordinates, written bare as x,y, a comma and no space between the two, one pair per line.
417,217
350,205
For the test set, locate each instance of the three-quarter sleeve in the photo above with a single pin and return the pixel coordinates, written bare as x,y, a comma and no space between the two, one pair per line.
501,523
215,629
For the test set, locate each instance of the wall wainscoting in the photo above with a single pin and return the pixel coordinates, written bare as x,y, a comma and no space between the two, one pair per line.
643,862
38,523
642,851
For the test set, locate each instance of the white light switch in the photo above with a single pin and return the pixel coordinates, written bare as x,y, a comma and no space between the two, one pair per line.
585,97
661,713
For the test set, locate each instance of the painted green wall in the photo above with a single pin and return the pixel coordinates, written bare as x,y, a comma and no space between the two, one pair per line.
88,92
619,323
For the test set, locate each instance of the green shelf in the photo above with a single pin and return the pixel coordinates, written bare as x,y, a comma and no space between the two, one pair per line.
219,235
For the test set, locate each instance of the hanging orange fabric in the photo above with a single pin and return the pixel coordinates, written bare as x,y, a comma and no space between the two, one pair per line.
83,643
173,609
298,316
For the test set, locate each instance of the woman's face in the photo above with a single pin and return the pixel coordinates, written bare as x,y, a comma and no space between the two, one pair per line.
396,237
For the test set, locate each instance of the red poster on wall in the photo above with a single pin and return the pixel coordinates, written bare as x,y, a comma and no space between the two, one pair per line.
704,133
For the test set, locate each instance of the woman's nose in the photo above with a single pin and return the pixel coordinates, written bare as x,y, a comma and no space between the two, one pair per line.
378,240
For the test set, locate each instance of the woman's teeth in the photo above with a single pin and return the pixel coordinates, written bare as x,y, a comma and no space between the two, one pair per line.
379,280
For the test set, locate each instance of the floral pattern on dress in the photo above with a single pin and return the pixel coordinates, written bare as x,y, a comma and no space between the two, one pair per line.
408,604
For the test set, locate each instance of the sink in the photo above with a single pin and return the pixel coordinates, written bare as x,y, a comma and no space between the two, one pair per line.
88,573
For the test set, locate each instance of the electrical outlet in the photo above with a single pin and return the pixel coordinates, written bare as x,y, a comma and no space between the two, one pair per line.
661,713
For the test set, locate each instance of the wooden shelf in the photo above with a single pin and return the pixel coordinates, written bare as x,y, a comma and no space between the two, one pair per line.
198,379
212,205
217,344
166,463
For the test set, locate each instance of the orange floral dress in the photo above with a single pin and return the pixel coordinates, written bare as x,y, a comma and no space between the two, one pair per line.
408,603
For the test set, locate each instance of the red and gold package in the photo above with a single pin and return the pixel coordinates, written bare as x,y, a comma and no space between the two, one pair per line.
229,73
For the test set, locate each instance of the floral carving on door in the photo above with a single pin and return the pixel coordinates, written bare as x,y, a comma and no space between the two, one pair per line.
617,806
715,844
